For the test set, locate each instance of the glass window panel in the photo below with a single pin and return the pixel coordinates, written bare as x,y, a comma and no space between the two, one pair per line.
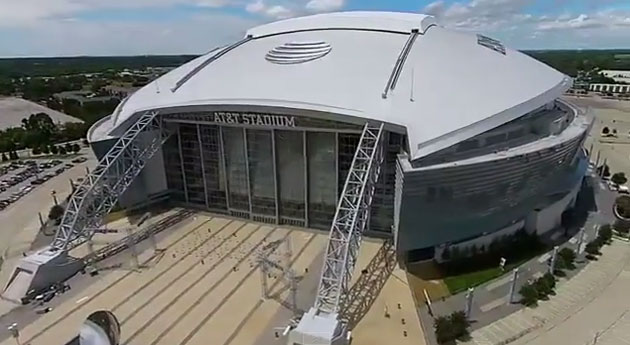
172,160
213,171
191,158
259,152
322,196
290,157
236,167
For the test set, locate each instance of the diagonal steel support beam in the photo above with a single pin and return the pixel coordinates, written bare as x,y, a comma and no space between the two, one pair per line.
350,220
115,172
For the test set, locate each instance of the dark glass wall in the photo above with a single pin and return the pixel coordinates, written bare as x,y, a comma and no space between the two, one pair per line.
236,167
213,167
291,170
193,174
322,179
261,172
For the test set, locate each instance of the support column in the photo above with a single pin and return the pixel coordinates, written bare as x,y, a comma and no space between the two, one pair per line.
469,301
275,174
203,169
181,161
513,281
554,256
249,182
223,161
581,235
305,155
132,248
263,272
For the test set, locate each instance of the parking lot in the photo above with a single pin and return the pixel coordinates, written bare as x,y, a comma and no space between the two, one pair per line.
21,177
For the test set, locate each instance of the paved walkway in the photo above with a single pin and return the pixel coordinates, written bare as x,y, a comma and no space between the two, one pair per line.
571,296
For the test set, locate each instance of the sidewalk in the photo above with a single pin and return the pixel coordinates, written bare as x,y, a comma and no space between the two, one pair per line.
571,296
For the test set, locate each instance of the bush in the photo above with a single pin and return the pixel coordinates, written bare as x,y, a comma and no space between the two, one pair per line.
544,287
13,155
605,233
56,212
529,295
619,178
605,130
592,248
622,226
76,148
4,157
567,257
36,150
54,149
62,150
68,147
45,150
451,328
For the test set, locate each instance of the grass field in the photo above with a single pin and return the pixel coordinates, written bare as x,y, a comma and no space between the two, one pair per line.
461,282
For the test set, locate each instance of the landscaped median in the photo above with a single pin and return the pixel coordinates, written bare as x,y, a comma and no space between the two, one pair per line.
476,265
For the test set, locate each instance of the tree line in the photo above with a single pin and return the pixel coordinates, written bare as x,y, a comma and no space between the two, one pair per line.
39,131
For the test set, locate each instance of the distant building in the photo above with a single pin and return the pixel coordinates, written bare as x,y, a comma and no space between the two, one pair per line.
617,75
613,88
81,97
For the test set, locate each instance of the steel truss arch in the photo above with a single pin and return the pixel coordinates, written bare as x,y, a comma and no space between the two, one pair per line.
101,189
351,219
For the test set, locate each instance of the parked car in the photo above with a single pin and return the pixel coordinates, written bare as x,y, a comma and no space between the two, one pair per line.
79,160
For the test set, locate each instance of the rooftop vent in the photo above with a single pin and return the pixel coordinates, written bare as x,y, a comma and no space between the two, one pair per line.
298,52
491,43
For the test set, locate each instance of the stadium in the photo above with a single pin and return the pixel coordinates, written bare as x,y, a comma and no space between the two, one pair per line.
382,124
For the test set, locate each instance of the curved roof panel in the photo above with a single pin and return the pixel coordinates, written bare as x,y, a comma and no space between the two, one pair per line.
449,86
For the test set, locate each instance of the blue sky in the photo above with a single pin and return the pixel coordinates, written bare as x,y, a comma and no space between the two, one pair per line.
137,27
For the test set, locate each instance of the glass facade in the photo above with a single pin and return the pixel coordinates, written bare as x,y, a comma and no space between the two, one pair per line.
279,176
322,186
261,173
291,177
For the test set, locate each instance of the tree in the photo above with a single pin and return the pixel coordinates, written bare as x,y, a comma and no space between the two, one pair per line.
68,147
36,150
605,233
55,212
605,130
45,150
622,226
529,295
4,157
567,257
76,148
619,178
451,328
62,150
54,149
592,248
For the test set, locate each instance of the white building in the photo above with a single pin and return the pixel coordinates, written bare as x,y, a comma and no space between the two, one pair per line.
477,142
617,75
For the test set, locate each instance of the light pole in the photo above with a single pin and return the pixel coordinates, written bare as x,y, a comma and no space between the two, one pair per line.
15,332
54,195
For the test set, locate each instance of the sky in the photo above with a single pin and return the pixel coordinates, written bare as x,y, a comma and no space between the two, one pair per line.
142,27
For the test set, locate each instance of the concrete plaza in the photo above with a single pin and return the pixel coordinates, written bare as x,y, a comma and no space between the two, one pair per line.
204,287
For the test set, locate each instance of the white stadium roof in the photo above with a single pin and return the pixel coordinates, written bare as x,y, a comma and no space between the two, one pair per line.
450,87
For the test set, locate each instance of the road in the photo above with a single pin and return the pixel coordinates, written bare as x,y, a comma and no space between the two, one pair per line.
21,216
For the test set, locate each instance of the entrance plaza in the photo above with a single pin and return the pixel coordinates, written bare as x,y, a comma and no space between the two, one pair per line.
205,288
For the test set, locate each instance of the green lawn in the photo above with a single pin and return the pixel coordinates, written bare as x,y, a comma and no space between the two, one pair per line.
461,282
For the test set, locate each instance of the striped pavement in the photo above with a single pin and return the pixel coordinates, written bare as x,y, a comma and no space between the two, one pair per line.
570,296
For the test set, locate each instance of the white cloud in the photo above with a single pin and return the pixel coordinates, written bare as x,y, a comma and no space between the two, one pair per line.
601,26
324,5
278,11
255,7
